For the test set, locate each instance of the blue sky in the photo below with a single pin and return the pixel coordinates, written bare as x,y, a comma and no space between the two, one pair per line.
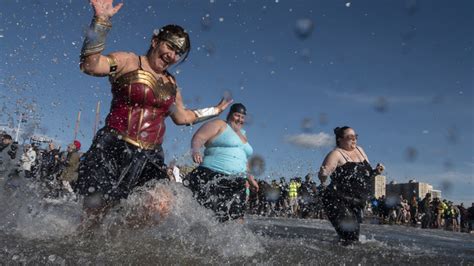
399,72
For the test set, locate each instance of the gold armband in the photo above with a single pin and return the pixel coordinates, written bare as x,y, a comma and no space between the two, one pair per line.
95,37
112,65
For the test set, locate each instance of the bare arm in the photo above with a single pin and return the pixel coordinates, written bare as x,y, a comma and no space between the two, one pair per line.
329,165
92,62
253,182
100,65
205,133
183,116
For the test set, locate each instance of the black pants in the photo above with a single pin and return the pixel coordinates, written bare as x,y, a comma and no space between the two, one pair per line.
344,213
426,220
223,194
113,167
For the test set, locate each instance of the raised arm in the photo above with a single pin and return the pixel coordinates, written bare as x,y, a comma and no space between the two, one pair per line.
92,61
183,116
205,133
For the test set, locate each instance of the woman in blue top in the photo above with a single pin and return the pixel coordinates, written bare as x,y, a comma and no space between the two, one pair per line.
219,181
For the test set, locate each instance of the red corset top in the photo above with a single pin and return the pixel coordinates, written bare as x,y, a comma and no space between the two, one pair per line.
139,107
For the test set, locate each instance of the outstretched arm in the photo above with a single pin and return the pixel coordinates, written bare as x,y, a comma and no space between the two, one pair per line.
92,62
183,116
205,133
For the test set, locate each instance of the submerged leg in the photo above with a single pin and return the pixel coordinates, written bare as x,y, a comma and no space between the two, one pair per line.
344,219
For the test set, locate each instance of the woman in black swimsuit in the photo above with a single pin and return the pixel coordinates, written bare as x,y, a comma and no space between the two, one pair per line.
351,175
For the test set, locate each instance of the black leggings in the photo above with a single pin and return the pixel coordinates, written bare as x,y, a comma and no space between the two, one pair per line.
223,194
345,214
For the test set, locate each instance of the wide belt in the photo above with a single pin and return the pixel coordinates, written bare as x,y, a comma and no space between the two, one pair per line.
137,143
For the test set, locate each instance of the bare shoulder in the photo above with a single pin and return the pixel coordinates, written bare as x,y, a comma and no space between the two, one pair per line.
334,158
334,154
361,150
122,57
126,61
218,123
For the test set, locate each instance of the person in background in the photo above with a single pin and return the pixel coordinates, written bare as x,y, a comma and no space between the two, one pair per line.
5,141
50,161
463,217
307,194
71,166
425,207
27,160
283,199
470,218
456,217
293,196
414,210
8,150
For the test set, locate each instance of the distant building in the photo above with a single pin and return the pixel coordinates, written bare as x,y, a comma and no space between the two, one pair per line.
410,189
435,194
379,186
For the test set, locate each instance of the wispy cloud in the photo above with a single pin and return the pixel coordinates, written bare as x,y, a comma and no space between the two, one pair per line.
370,99
319,140
469,164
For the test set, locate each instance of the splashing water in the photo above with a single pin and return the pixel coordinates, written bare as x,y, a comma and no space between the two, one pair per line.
162,222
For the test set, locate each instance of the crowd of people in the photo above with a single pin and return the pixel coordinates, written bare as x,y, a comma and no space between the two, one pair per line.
303,199
56,169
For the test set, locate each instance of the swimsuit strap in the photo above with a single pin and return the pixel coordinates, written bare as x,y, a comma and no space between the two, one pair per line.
140,62
363,157
343,155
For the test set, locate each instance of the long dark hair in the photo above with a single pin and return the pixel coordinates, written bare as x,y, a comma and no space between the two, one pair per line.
339,132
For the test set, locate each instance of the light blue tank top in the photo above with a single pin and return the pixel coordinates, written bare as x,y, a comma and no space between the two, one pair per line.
227,154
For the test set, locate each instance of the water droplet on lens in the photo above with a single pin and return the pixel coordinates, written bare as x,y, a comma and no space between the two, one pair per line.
448,165
446,186
323,119
381,104
307,125
256,165
452,135
304,28
206,22
412,7
410,154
